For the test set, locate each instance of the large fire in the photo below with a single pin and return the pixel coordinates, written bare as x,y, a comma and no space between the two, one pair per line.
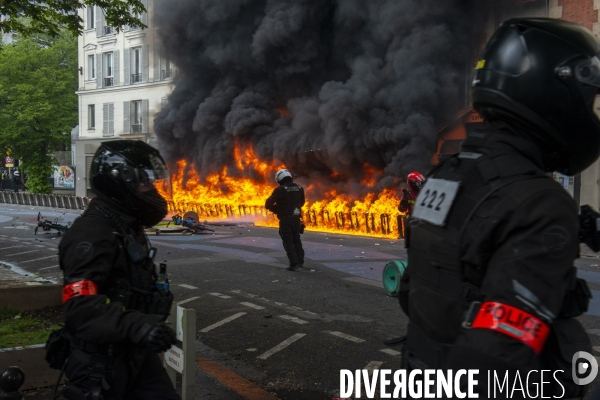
223,197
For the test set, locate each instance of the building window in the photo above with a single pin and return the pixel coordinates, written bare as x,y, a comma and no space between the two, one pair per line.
90,17
136,65
91,116
108,30
136,116
108,68
167,72
91,66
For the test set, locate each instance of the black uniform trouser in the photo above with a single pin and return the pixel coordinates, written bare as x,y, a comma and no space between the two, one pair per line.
139,375
289,230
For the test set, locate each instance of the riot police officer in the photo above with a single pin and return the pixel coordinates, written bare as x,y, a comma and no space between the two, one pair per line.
114,313
491,283
286,201
415,181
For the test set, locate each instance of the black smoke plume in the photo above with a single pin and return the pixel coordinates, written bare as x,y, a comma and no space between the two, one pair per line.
322,86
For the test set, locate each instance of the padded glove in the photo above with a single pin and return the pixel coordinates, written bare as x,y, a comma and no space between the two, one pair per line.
159,338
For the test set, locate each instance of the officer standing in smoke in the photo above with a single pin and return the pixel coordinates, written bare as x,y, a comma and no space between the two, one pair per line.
491,283
113,311
286,201
415,181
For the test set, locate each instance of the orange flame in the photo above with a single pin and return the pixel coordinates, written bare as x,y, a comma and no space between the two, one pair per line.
223,197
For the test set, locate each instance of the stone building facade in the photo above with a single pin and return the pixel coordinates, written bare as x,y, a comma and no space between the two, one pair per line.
123,82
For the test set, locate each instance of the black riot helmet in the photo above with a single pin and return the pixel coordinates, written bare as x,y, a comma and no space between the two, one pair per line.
127,172
542,75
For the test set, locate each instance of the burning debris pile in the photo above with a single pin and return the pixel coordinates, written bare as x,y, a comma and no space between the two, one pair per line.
346,94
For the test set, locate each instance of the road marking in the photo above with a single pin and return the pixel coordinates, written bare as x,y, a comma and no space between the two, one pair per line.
187,300
280,304
39,245
220,295
310,312
345,336
281,346
597,348
187,286
54,266
293,319
256,307
373,365
37,259
8,227
593,331
236,291
230,379
25,252
391,352
295,308
252,295
11,247
222,322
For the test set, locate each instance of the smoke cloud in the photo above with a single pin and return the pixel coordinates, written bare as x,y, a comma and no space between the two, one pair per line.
330,88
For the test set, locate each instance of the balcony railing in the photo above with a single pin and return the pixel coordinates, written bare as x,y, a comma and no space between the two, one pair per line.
108,30
136,128
136,78
108,82
166,74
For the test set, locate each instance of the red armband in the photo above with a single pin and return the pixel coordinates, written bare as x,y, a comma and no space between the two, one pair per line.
512,322
79,288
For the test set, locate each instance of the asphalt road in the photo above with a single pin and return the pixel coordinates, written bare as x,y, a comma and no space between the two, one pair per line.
289,332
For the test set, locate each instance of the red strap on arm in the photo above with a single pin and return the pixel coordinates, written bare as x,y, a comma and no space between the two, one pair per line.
79,288
513,322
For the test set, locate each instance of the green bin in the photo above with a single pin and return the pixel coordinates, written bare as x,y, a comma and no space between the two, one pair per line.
392,273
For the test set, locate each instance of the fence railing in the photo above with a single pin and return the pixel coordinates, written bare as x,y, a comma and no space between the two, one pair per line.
45,200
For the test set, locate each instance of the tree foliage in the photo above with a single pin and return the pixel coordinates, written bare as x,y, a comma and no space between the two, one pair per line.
38,104
50,16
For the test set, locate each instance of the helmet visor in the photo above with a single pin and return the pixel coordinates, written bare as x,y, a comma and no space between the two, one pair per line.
157,177
588,71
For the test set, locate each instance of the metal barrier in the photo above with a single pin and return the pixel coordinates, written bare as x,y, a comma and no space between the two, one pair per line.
45,200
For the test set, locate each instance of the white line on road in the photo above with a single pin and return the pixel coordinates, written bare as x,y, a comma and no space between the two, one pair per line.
295,308
281,346
252,295
280,304
236,291
187,286
187,300
345,336
256,307
293,319
25,252
12,247
390,351
373,365
222,322
593,331
220,295
54,266
37,259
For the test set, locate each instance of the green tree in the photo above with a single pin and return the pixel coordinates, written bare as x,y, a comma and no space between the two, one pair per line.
38,105
50,16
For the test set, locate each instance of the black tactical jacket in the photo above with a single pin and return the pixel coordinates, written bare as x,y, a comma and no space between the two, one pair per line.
286,200
516,246
93,249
